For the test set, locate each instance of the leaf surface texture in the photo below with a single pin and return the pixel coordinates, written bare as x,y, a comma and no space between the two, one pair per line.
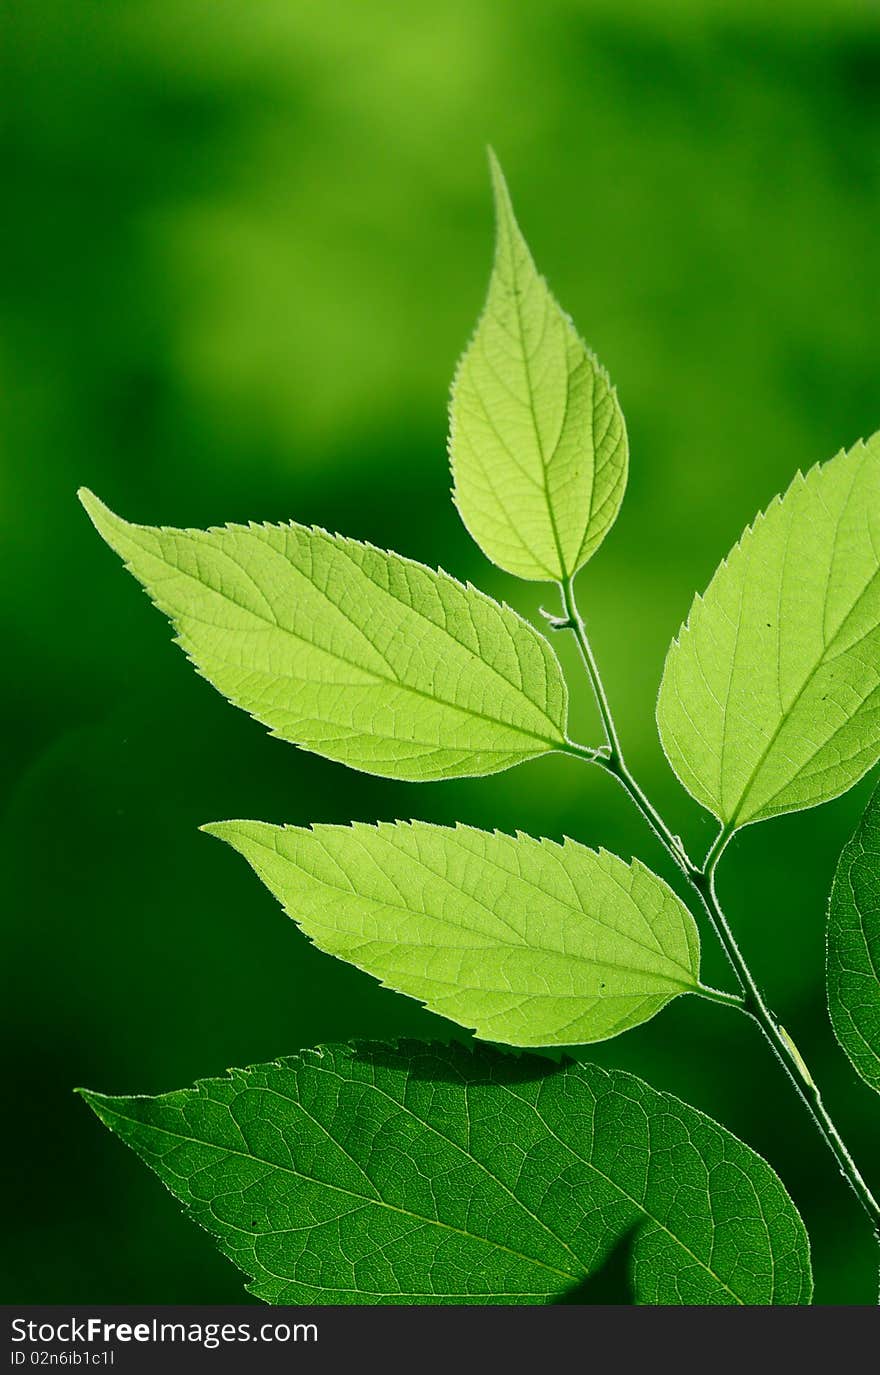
537,438
854,947
770,700
432,1174
357,654
526,941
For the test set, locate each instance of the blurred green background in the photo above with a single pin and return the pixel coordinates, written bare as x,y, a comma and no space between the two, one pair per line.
243,246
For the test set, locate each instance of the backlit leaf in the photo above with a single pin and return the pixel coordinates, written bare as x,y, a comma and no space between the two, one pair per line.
537,438
770,699
354,653
529,942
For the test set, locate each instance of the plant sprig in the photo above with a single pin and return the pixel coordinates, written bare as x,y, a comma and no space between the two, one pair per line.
374,1174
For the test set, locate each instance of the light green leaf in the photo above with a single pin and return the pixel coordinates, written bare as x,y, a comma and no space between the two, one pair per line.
854,947
770,700
528,942
354,653
433,1175
537,438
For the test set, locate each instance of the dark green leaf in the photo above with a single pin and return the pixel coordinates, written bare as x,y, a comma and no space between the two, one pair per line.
854,947
431,1174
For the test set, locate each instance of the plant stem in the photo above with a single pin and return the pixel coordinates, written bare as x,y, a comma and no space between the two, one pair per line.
614,761
784,1047
702,880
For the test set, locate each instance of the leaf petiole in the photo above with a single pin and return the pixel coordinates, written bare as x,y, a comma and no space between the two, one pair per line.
717,995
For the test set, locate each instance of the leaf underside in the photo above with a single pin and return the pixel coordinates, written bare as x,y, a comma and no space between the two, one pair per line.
528,942
435,1175
349,651
770,699
854,947
537,439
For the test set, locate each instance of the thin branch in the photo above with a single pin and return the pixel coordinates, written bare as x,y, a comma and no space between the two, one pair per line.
702,880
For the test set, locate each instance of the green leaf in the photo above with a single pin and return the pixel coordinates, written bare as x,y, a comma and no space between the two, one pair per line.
854,947
528,942
537,438
431,1174
770,700
354,653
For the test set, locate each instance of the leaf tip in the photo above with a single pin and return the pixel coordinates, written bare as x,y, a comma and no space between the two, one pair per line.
91,504
227,831
215,828
95,1101
494,165
500,190
98,513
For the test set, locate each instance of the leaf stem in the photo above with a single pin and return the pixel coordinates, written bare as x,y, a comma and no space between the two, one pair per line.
702,880
717,995
717,848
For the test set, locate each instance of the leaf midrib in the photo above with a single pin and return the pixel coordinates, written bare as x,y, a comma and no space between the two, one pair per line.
517,296
634,1201
436,698
827,647
554,743
365,1198
522,944
588,1163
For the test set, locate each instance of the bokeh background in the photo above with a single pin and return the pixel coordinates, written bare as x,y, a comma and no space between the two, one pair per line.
243,246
